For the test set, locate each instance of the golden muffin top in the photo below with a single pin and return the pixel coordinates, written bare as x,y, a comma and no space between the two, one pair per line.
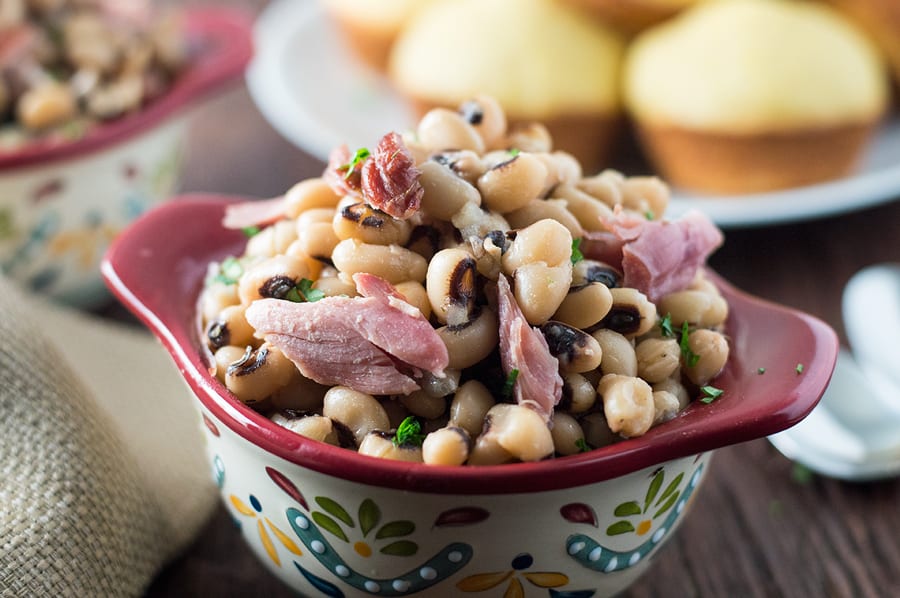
385,16
743,66
538,58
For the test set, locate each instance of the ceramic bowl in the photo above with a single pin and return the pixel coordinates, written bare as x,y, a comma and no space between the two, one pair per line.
331,522
62,202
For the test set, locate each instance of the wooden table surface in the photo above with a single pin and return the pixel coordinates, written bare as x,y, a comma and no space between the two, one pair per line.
758,528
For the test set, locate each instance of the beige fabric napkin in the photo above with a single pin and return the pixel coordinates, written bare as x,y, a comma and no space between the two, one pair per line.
102,474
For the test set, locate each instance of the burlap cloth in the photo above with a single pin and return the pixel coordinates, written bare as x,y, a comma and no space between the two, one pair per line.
102,474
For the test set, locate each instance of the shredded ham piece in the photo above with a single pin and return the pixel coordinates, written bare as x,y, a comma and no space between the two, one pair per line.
523,348
259,212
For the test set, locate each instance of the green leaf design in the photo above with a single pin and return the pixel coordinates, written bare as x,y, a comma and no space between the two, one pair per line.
329,524
668,505
369,516
619,527
335,510
671,488
628,508
654,488
400,548
395,529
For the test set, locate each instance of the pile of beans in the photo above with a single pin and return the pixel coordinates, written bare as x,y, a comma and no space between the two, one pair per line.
499,203
69,63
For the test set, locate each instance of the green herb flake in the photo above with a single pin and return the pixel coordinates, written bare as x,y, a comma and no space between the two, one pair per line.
514,151
409,433
690,357
230,270
358,158
250,231
760,371
801,474
582,446
649,215
510,383
710,394
799,368
577,256
665,326
304,292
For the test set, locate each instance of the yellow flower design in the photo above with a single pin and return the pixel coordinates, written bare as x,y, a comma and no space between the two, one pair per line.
514,589
255,511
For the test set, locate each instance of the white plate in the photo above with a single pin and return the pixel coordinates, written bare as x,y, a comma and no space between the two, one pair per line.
314,93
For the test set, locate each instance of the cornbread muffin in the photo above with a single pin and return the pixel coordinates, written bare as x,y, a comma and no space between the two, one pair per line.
541,60
633,15
370,27
754,95
881,20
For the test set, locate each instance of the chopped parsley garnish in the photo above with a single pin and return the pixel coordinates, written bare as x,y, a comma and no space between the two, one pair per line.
510,383
304,291
577,256
710,394
665,326
409,433
690,357
582,445
799,368
760,371
250,231
649,215
358,158
514,151
230,270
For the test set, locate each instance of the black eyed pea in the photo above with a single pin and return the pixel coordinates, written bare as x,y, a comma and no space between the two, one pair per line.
336,286
451,283
300,394
657,358
665,406
230,328
517,430
513,183
272,240
698,308
445,192
380,444
361,222
585,305
701,283
605,187
529,137
472,221
422,404
486,115
442,129
590,212
115,98
540,290
627,404
712,349
588,271
316,427
450,445
415,295
216,297
578,393
676,388
545,241
272,277
541,209
313,215
309,194
576,350
596,430
472,341
317,240
46,105
224,357
465,164
562,169
618,353
259,373
488,253
440,386
469,407
358,412
391,262
631,314
647,195
568,437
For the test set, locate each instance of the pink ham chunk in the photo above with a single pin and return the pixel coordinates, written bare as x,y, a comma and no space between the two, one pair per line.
523,348
374,344
258,212
659,256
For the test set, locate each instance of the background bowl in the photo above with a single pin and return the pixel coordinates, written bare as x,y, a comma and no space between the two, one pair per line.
61,203
328,520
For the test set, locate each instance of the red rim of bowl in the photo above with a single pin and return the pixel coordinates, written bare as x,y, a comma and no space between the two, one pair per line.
221,42
156,268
